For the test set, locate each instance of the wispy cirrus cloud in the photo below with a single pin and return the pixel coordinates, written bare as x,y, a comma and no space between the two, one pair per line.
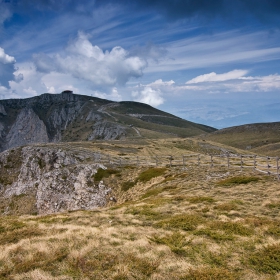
214,77
233,81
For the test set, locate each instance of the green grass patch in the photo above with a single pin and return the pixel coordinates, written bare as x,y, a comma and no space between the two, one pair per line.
149,174
210,273
214,234
175,241
232,228
274,205
104,173
238,180
14,236
200,199
266,260
127,185
182,221
146,211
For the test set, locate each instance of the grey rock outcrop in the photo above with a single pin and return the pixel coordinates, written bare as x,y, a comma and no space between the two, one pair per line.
107,130
28,128
58,179
2,110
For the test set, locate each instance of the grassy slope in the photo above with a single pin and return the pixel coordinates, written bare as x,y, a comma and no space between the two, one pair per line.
167,224
179,225
259,138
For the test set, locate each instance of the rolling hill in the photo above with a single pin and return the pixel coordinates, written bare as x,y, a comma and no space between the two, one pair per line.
262,138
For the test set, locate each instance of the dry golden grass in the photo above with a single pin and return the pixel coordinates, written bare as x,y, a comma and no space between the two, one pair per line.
178,225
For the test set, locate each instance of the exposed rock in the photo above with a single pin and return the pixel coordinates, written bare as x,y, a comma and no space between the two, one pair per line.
92,116
28,128
2,110
58,179
107,130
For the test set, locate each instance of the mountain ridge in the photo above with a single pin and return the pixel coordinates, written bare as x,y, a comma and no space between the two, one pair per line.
70,117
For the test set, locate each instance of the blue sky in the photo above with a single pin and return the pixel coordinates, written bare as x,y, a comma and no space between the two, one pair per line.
214,62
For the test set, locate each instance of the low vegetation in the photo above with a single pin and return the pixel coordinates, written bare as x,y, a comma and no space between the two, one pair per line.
167,223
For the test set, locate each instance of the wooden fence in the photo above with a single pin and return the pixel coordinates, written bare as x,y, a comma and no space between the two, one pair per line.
267,165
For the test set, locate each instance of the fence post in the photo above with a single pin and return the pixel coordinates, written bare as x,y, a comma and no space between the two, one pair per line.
156,161
184,163
268,166
277,166
170,161
255,163
241,163
212,161
109,161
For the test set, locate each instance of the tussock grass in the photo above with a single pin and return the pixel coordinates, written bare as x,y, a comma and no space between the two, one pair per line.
175,241
210,274
185,222
267,259
180,229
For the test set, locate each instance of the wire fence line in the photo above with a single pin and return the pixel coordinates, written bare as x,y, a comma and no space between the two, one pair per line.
262,164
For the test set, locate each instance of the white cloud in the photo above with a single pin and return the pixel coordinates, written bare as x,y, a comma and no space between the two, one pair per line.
6,68
213,77
233,81
84,61
5,58
149,96
114,95
160,82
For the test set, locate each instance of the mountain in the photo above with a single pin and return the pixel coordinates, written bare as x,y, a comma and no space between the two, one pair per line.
70,117
261,138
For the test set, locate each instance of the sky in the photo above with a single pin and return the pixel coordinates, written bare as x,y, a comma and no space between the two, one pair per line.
213,62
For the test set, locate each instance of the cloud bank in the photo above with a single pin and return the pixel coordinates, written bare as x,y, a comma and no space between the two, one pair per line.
85,61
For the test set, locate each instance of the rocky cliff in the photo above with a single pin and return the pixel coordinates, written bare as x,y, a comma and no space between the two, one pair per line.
46,180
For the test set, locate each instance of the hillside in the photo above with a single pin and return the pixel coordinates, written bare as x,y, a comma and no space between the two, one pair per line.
113,221
69,117
261,138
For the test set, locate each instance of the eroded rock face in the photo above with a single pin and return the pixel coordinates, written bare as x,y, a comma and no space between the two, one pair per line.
59,180
28,128
107,131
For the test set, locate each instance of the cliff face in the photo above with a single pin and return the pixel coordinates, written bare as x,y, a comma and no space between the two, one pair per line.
27,128
50,180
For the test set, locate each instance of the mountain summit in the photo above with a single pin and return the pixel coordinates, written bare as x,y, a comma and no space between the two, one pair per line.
71,117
